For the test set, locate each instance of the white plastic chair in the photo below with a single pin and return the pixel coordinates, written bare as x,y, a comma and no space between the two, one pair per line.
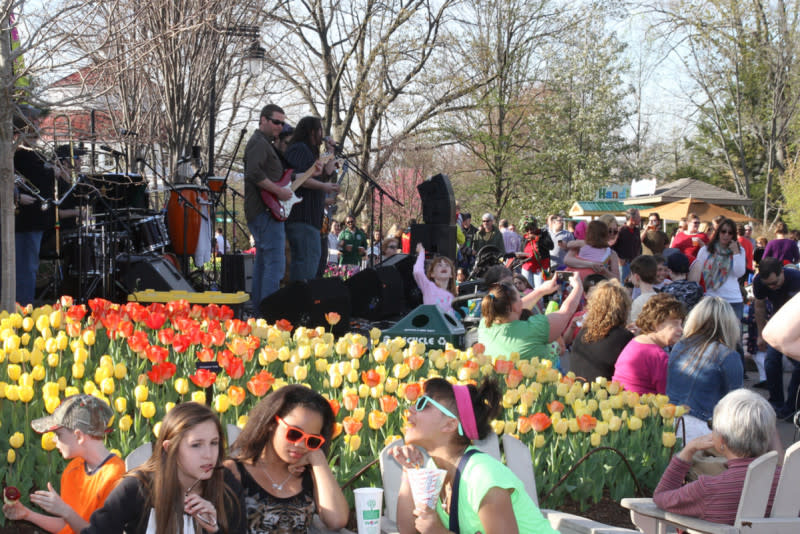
651,519
138,456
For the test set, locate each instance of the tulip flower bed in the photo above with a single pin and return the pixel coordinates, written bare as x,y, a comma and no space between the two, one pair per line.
143,360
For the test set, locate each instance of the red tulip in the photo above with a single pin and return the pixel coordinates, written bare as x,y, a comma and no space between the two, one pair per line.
155,320
284,325
138,342
371,378
540,421
203,378
555,406
259,384
161,372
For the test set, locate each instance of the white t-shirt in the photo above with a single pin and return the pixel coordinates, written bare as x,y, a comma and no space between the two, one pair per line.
729,290
222,245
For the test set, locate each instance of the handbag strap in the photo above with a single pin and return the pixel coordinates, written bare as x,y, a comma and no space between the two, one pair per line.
454,496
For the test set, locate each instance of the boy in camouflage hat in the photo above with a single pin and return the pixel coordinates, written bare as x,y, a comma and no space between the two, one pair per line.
79,423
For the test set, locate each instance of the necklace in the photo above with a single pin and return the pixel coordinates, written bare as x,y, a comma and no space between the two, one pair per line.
275,485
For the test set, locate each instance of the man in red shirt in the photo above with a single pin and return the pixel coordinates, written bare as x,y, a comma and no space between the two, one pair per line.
690,241
747,245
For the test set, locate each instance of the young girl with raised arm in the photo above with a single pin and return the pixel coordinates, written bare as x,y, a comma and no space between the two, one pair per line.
438,285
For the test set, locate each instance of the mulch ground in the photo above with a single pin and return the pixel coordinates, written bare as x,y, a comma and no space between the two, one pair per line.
605,511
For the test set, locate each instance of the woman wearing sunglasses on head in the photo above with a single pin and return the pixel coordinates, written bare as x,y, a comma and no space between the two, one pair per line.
486,496
280,458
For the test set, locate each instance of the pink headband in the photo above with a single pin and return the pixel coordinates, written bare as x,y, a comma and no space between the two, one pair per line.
465,411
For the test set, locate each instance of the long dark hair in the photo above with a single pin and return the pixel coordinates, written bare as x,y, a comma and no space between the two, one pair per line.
159,474
308,131
261,423
485,399
712,244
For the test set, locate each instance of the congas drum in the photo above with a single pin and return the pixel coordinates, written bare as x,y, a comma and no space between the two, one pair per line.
183,222
215,183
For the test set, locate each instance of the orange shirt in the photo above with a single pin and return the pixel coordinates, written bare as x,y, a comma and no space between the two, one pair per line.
86,493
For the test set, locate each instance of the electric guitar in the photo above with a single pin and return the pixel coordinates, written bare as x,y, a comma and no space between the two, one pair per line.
280,209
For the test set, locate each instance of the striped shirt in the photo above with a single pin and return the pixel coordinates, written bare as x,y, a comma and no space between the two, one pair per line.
713,498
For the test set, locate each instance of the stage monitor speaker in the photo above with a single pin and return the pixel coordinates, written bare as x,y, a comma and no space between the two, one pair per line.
237,272
438,200
404,263
429,325
305,303
436,238
377,293
138,273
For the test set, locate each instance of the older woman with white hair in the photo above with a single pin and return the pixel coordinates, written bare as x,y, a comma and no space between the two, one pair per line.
744,429
704,365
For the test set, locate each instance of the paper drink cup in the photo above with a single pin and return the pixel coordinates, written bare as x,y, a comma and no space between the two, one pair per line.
369,503
425,486
11,495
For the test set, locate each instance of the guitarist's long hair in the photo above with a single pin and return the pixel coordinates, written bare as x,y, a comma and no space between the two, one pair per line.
308,131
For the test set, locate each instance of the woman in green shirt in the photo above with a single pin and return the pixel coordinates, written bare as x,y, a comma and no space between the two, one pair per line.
502,331
486,496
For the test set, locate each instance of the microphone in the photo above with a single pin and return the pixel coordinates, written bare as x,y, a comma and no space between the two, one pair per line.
115,153
197,160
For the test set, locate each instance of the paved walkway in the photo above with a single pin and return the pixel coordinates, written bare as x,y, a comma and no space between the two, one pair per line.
787,430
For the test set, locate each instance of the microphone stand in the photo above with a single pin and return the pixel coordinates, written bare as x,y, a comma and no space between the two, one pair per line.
224,195
373,186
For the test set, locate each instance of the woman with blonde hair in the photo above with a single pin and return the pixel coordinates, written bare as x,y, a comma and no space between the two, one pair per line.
183,487
604,334
704,365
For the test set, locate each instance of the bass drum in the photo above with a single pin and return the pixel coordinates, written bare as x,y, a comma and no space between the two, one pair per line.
182,220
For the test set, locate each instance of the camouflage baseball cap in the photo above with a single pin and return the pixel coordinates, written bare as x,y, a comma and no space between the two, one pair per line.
86,413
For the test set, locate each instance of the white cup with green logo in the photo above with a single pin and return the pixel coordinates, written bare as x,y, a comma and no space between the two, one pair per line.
369,503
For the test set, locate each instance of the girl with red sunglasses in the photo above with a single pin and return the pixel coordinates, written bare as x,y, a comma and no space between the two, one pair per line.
281,460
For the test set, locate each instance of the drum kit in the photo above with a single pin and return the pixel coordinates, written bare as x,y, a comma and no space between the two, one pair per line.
116,227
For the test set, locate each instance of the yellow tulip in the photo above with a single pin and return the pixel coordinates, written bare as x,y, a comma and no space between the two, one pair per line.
120,371
614,423
510,427
70,391
561,427
642,411
88,337
42,323
13,371
107,386
125,423
3,387
668,439
48,441
390,386
157,429
51,345
321,365
80,355
50,389
359,413
27,324
53,360
595,439
354,442
602,428
140,393
148,409
25,379
634,423
168,406
300,372
538,441
200,396
12,392
376,419
77,370
89,387
17,440
121,404
181,386
363,391
101,373
11,456
498,426
26,393
242,421
222,403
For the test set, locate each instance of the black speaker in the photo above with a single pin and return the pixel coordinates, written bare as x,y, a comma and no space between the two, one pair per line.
404,263
438,200
138,273
237,272
377,293
305,303
436,238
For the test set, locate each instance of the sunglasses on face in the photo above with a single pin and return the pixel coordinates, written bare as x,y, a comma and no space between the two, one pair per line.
695,222
423,401
276,122
294,434
613,231
729,232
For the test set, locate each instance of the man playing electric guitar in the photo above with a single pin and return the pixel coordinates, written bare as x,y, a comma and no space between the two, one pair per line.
262,171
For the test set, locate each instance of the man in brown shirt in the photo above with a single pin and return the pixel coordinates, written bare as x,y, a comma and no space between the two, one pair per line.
262,169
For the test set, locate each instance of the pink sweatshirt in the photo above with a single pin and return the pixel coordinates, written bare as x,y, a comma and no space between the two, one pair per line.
642,367
431,293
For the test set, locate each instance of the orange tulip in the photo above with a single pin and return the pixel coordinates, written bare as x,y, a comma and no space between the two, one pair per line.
478,348
413,391
388,403
555,406
335,406
259,384
351,425
350,401
514,378
333,318
371,378
236,394
540,421
586,423
337,429
414,362
503,366
284,325
376,419
524,425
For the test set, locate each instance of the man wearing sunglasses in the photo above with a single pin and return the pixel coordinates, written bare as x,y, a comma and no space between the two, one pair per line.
262,169
690,241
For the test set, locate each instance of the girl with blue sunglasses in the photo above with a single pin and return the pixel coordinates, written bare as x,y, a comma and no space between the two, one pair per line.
479,493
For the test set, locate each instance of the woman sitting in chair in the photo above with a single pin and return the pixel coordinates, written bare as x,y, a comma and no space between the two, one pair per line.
479,493
744,429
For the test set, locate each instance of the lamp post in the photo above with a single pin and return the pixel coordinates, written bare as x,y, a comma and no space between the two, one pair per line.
254,56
